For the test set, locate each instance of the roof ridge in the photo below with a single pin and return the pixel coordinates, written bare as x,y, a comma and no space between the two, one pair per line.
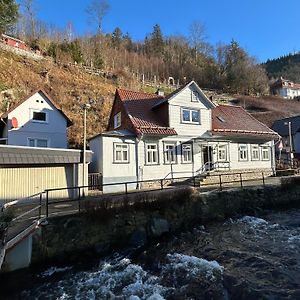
140,92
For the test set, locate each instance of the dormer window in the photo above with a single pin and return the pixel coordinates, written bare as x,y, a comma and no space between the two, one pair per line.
117,120
39,116
190,116
195,96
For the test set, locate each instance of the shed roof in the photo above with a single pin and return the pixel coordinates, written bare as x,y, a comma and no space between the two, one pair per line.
281,126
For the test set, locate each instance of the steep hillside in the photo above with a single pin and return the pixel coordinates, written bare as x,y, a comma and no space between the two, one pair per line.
287,66
268,109
69,87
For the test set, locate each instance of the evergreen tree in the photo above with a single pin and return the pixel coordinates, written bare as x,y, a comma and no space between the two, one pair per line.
8,14
116,38
154,43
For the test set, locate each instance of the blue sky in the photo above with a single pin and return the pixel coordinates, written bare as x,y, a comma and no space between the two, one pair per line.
265,28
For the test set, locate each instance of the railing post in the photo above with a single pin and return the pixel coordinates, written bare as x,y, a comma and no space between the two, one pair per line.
241,180
263,179
79,199
126,188
220,181
47,203
161,184
40,208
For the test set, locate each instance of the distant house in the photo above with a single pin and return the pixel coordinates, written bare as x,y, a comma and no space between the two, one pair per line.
14,42
151,136
285,88
282,128
35,121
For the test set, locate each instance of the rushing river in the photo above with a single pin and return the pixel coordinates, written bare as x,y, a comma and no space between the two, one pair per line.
242,258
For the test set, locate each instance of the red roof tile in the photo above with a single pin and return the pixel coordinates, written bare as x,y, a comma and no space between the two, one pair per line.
230,120
138,106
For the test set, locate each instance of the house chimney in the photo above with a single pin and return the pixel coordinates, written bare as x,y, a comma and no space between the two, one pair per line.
160,92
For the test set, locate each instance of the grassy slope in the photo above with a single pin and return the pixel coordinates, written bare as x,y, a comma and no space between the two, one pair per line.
268,109
68,86
71,88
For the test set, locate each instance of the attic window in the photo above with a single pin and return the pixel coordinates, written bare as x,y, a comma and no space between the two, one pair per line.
39,116
195,96
221,119
117,120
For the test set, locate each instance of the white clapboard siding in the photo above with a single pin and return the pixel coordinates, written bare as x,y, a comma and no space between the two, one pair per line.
183,100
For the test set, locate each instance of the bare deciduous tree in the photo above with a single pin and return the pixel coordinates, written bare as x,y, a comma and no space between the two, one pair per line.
29,18
96,10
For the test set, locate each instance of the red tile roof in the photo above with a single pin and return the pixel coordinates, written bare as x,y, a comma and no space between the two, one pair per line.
230,120
284,83
138,106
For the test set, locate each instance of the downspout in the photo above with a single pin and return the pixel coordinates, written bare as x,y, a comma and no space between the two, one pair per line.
137,167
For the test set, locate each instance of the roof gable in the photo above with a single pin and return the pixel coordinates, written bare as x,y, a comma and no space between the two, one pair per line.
193,86
45,95
138,106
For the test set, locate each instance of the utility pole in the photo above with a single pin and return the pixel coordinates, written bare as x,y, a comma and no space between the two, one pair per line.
290,142
85,108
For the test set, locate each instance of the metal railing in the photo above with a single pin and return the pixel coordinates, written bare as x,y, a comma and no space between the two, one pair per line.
95,181
38,206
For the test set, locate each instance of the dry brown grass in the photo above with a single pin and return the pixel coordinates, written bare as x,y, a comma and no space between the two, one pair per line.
267,109
69,87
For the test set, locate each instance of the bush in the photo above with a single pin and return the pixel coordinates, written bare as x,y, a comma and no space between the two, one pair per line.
290,181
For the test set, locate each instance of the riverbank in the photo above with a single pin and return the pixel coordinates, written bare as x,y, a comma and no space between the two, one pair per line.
102,228
240,258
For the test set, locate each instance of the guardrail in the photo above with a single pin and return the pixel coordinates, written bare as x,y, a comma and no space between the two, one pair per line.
43,200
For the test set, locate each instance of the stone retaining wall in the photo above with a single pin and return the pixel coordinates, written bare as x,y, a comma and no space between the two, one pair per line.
144,216
234,175
26,53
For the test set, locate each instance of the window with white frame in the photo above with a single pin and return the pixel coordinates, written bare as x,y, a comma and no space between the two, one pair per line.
170,153
35,142
222,153
121,153
39,116
151,154
190,116
265,153
117,120
243,152
186,152
254,152
195,96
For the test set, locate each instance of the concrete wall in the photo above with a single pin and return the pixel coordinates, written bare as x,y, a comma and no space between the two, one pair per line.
26,53
54,129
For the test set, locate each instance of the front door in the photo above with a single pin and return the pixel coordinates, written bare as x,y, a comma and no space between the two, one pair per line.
208,157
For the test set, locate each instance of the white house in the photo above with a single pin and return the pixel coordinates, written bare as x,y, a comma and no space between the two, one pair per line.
286,88
35,121
152,137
